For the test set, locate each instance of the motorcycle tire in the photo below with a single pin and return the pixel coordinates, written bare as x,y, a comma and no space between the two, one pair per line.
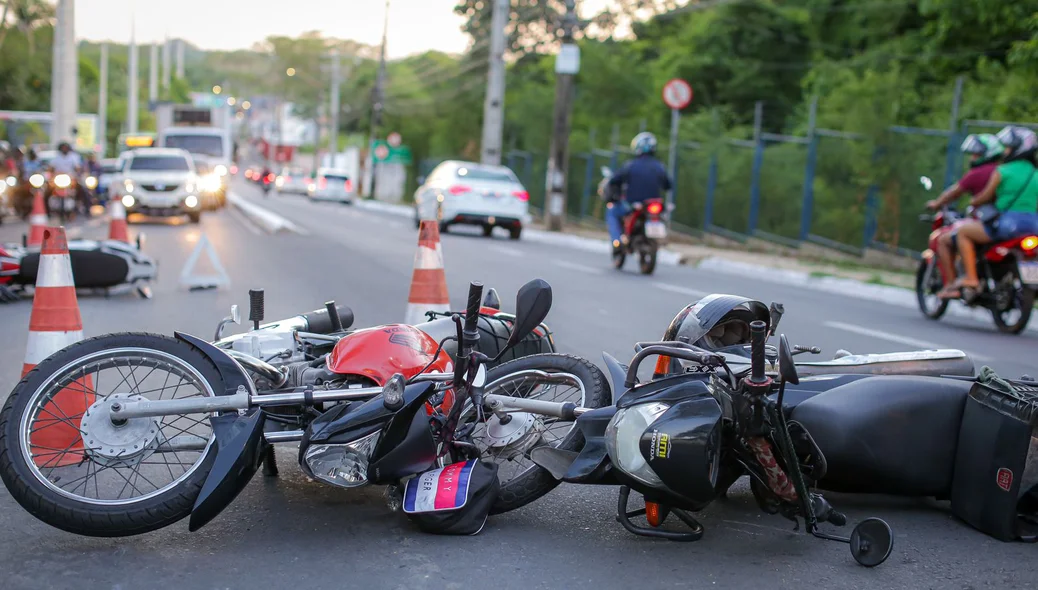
647,258
152,511
619,257
1025,302
922,291
537,482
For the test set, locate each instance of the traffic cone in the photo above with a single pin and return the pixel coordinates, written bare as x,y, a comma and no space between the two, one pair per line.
55,323
117,228
429,282
37,219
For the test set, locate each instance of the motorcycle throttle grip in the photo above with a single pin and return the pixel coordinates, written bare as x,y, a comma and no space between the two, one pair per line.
758,334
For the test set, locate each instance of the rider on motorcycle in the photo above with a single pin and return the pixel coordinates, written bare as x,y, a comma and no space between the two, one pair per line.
985,153
642,179
69,162
1013,189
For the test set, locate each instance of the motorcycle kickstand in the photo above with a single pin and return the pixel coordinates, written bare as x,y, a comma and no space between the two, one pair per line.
624,518
270,463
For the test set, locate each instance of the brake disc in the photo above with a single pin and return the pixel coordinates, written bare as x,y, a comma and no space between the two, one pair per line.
519,433
112,444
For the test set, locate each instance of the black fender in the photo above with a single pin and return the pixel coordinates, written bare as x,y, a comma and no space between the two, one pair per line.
233,375
240,449
617,375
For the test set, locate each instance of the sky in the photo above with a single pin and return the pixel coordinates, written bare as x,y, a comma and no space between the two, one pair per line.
414,25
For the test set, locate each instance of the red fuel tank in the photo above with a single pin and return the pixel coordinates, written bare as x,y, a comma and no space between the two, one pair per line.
379,353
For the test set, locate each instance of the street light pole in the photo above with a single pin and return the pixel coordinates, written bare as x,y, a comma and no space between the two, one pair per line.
132,108
102,103
567,64
494,105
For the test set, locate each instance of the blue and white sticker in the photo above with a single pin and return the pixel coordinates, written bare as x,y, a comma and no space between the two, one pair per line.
446,488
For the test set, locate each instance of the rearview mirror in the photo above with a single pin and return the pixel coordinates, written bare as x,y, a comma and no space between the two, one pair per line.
234,318
532,304
787,369
926,182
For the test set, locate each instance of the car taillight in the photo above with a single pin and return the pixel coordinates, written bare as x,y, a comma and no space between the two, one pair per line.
521,195
322,183
270,177
458,189
288,178
1029,244
348,185
654,208
234,169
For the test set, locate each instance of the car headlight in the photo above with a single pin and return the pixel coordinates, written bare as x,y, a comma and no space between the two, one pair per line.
280,182
37,180
11,181
128,201
623,437
62,181
91,182
191,201
211,183
342,465
220,170
128,185
190,187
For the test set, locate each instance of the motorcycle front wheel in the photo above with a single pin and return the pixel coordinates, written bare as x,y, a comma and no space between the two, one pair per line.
927,284
66,462
548,377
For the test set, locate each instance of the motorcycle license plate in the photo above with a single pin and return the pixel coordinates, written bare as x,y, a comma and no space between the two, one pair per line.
1029,273
655,230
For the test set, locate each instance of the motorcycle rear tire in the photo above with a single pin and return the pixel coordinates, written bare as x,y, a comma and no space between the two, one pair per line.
85,518
537,481
647,257
619,257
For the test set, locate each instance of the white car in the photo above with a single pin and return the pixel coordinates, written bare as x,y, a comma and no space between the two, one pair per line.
466,193
160,182
293,181
331,185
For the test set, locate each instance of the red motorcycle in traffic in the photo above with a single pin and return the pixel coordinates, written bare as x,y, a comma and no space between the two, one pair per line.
1008,273
644,229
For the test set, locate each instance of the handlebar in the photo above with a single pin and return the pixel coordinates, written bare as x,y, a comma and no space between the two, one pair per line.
758,335
471,330
679,350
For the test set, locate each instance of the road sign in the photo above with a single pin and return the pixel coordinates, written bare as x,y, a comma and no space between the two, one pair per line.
383,152
393,139
677,94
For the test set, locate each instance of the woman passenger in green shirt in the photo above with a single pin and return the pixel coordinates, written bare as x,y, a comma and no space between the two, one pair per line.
1014,190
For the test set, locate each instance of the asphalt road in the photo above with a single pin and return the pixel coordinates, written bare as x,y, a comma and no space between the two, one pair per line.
290,532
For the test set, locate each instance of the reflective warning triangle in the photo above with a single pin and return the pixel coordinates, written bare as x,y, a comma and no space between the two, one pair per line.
220,279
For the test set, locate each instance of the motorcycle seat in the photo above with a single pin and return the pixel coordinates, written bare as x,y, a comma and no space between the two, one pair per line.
888,434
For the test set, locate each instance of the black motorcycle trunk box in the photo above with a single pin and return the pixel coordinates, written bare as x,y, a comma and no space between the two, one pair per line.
995,486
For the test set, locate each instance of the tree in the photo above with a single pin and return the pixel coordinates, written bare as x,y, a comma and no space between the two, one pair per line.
26,15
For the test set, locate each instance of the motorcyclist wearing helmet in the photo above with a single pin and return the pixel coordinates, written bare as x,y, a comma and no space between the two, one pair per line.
1013,189
641,179
985,152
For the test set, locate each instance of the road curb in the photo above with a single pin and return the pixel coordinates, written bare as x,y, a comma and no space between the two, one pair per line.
268,220
838,286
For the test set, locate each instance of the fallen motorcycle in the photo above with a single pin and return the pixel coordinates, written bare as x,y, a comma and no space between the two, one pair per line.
184,424
919,424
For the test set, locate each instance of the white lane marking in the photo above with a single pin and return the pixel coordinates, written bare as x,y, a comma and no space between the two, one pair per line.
249,225
578,267
896,338
681,290
506,250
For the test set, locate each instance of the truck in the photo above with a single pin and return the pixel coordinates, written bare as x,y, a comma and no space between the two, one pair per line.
203,131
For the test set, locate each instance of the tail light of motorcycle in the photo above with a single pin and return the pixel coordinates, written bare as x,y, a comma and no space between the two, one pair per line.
521,195
458,189
1029,245
654,208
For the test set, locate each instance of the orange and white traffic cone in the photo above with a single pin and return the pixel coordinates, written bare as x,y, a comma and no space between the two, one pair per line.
37,219
55,323
117,228
429,282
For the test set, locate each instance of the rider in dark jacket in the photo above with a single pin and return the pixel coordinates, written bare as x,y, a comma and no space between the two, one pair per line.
642,179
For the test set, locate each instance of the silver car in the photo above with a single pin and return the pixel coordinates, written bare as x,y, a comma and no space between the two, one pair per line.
292,181
331,185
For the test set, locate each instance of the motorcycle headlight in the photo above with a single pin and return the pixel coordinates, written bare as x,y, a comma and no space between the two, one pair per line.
37,180
220,170
342,465
623,440
128,201
128,185
190,187
62,181
91,182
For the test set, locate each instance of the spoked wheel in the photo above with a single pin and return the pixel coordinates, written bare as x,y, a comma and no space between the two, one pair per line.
927,284
508,440
1014,303
65,460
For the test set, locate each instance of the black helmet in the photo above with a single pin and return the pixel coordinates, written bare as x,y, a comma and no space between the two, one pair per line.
64,146
717,321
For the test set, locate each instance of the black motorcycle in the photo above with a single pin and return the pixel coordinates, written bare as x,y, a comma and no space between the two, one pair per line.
682,440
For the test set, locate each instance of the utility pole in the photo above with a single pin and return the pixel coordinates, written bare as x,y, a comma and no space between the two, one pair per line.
102,103
132,86
567,64
376,103
333,133
180,57
64,94
494,104
153,75
167,58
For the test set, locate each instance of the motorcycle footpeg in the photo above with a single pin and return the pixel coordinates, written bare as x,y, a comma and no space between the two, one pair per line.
624,518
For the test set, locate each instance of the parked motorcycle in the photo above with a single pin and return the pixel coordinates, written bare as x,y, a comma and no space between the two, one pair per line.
184,424
644,228
1008,273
